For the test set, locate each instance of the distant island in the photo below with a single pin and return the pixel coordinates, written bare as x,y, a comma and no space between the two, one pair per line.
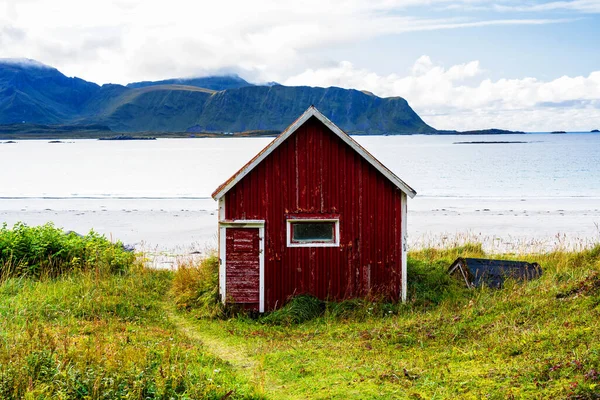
557,132
127,137
492,142
57,131
480,132
595,131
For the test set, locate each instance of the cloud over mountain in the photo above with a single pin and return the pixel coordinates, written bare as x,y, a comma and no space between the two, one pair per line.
462,97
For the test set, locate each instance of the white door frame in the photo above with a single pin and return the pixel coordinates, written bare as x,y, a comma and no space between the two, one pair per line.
404,245
242,223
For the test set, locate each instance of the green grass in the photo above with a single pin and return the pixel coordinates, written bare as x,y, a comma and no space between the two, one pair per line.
157,334
81,319
85,336
539,339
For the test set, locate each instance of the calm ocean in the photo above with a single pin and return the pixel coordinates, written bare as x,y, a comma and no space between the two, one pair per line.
547,165
159,191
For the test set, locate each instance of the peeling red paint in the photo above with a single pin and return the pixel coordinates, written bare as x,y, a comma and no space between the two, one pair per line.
242,275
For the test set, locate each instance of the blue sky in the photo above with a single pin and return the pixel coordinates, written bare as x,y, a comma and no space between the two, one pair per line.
545,51
461,64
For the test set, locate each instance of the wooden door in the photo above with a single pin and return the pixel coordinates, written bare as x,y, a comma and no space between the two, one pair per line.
242,280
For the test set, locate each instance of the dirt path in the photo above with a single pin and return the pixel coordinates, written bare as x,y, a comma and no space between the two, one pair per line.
236,354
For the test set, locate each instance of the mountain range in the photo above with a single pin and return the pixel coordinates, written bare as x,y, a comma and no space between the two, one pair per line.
32,93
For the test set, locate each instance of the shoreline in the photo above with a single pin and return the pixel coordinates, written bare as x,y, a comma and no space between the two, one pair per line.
172,228
13,138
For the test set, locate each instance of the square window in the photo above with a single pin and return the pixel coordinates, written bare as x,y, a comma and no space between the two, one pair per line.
312,232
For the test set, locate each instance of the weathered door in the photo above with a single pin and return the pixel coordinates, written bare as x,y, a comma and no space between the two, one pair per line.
242,278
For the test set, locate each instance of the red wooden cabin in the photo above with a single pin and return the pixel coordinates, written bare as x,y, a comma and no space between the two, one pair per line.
312,213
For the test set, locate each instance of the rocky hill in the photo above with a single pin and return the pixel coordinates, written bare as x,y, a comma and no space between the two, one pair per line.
33,93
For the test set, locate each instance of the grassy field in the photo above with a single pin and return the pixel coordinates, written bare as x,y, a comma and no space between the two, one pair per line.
535,340
147,334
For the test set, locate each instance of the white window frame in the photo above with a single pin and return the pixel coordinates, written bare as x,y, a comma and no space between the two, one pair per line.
334,243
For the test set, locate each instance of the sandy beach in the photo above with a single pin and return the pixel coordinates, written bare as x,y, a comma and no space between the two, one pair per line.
523,224
180,227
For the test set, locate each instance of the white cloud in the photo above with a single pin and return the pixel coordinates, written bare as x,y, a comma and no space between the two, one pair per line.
586,6
125,40
445,98
582,6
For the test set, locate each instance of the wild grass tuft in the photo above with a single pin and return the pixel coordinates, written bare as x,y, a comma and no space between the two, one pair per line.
299,309
196,287
429,283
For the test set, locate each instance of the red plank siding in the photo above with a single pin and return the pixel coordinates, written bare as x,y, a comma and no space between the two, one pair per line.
315,172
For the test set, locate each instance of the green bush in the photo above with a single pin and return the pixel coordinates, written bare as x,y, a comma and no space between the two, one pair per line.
45,250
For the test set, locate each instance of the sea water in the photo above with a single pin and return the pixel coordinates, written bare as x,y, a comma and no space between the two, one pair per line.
538,185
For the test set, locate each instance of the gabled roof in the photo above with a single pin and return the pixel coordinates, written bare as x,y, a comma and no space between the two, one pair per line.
311,112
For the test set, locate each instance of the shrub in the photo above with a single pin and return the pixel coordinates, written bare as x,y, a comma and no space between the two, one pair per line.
49,251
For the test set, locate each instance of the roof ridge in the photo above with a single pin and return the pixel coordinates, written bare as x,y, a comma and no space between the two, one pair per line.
311,111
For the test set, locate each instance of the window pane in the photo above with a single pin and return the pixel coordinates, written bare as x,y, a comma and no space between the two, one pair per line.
313,231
